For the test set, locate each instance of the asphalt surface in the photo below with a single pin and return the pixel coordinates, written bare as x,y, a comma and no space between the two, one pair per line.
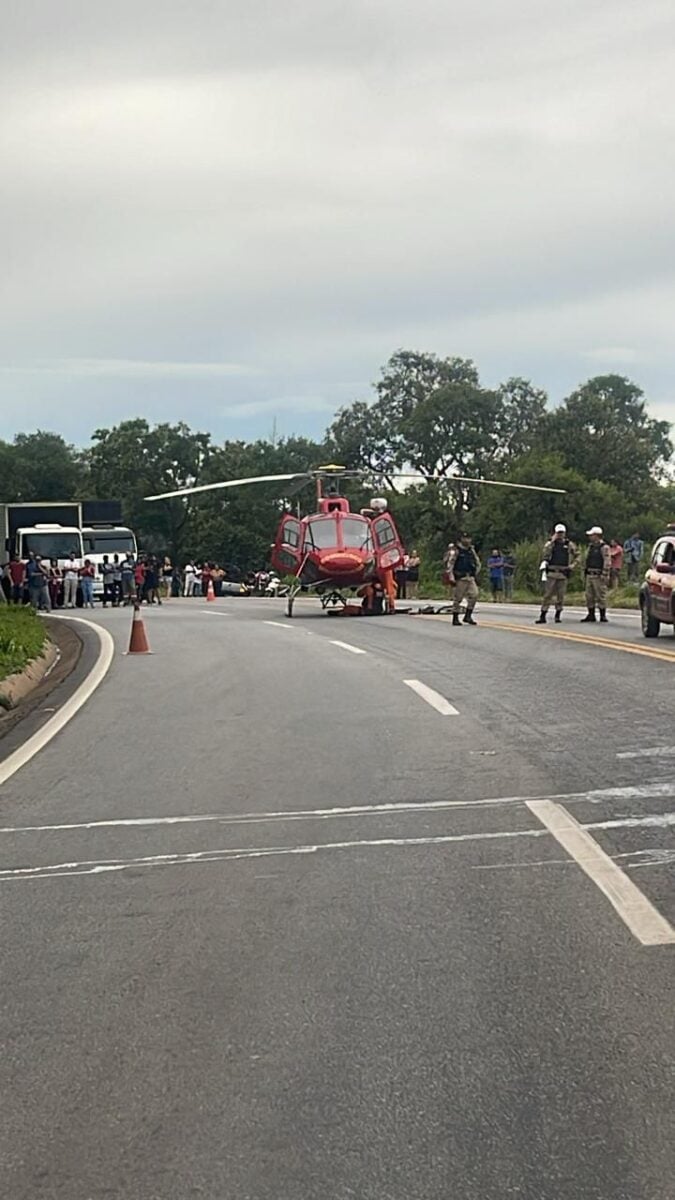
252,996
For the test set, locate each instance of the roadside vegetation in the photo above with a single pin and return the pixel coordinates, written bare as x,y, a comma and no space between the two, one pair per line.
425,414
529,588
623,597
22,638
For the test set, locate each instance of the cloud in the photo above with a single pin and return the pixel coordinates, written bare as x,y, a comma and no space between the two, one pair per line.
281,406
122,368
616,355
227,210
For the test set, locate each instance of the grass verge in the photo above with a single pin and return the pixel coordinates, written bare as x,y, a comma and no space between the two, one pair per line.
22,638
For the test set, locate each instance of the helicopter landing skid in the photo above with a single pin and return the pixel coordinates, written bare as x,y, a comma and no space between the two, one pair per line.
335,603
293,591
332,601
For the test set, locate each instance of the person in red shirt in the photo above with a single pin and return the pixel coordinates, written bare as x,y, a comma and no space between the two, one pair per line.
616,555
87,576
207,577
139,580
55,582
17,574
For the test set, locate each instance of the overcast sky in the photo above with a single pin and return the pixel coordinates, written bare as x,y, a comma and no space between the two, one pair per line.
233,211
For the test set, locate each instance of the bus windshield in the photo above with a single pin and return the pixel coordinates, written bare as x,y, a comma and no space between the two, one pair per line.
54,544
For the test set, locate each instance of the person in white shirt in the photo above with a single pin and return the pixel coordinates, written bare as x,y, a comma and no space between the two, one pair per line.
71,575
190,574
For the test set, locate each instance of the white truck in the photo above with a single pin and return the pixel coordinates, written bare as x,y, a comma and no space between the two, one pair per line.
110,539
50,529
55,530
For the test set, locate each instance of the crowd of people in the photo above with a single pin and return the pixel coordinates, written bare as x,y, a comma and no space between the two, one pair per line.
123,580
46,584
150,579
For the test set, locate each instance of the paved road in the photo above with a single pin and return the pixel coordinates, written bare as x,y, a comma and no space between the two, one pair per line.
218,983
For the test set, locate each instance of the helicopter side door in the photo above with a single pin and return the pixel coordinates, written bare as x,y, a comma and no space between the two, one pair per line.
286,552
387,542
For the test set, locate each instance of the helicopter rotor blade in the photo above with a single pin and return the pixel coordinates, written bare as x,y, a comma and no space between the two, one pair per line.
227,483
528,487
298,483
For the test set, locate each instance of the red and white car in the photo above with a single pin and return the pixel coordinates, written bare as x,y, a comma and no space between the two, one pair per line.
657,594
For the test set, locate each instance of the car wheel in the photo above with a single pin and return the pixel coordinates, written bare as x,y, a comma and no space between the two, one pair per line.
650,626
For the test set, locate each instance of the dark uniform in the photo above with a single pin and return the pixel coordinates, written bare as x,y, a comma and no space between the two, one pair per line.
463,567
597,574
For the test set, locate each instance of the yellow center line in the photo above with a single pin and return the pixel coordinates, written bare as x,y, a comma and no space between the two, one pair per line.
564,635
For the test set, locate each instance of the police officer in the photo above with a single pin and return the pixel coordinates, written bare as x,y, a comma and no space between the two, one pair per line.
560,557
597,572
463,567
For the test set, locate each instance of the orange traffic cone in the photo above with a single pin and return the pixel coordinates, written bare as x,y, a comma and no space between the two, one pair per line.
138,642
210,594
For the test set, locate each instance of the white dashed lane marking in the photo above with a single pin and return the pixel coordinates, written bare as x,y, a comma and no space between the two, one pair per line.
442,706
347,646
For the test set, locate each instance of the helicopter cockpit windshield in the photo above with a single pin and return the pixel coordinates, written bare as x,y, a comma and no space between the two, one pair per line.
321,533
356,533
330,532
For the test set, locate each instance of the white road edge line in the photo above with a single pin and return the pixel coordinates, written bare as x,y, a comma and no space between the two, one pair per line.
638,913
393,808
347,646
443,706
103,865
18,759
652,752
278,624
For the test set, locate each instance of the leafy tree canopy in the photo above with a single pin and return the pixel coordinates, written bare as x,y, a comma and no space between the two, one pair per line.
427,415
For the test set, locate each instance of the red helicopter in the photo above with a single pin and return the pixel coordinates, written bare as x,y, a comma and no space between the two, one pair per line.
334,551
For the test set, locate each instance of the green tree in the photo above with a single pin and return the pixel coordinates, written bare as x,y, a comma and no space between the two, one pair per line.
41,466
522,410
373,436
603,430
409,378
9,488
504,516
431,414
360,437
134,460
238,525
